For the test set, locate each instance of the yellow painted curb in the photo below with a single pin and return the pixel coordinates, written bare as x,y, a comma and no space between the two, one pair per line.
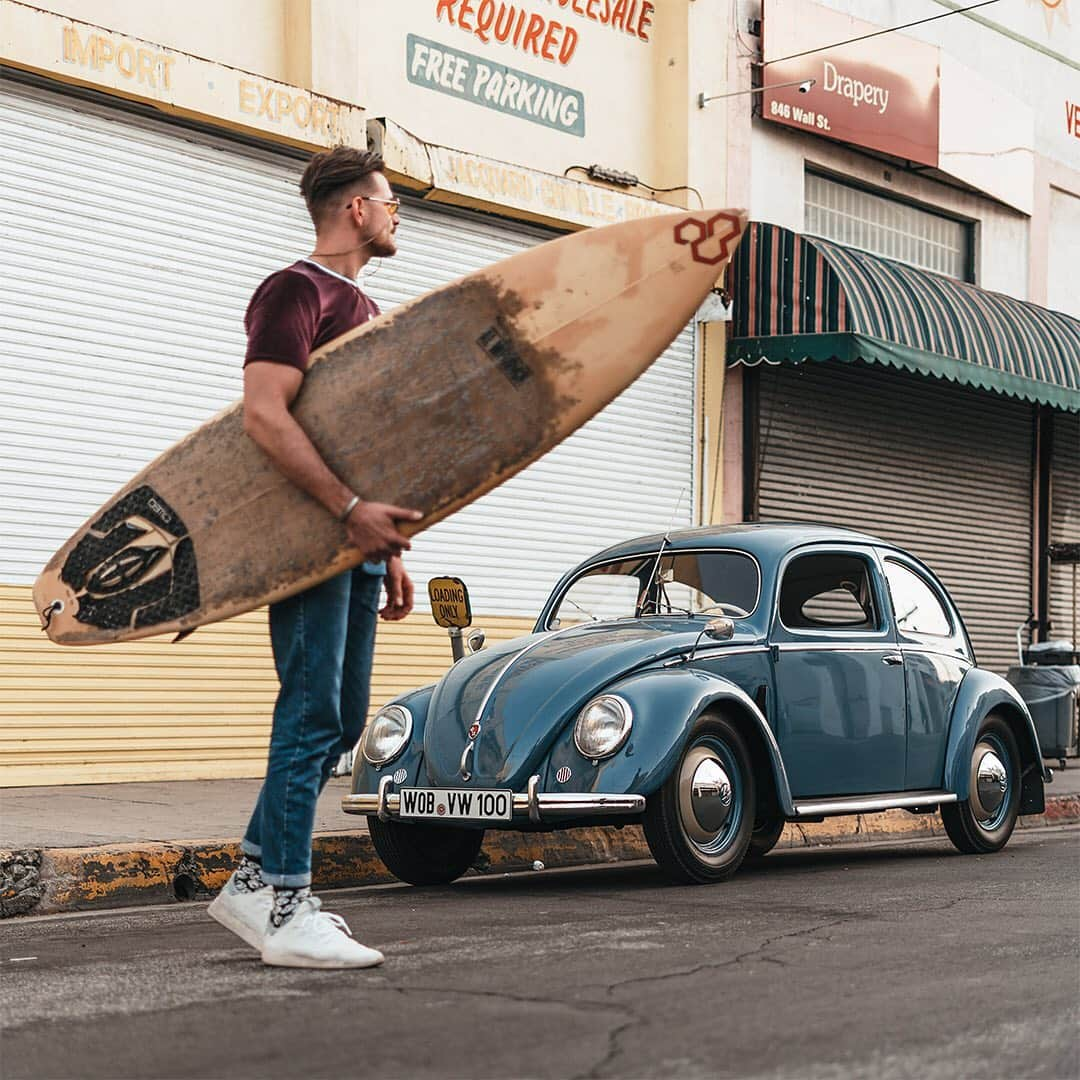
45,881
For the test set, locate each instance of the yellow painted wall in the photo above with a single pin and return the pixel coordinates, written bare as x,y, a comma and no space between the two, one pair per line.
246,34
151,710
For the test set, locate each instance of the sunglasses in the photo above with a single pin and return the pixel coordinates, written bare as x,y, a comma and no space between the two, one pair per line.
392,205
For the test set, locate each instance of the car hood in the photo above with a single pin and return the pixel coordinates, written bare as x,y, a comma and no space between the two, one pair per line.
523,692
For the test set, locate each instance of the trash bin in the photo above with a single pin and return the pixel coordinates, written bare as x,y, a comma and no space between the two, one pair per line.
1052,695
1051,653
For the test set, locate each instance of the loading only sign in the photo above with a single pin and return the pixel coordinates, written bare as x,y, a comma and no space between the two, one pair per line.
450,603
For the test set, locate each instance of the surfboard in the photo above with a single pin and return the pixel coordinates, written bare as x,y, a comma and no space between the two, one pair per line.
429,406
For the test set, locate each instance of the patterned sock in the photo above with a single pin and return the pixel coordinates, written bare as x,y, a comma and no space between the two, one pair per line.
248,875
286,901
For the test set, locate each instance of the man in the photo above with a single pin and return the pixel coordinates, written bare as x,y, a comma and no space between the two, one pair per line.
322,638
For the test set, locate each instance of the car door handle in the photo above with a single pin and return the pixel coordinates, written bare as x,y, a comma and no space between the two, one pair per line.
893,658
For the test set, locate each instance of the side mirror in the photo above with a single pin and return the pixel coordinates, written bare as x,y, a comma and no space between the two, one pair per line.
476,640
721,629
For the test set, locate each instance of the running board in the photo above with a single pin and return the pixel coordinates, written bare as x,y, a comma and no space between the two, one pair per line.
870,804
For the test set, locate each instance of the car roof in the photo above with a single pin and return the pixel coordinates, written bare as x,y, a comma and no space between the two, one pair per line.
763,539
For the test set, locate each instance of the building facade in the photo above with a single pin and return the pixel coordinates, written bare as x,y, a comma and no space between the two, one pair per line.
905,352
150,165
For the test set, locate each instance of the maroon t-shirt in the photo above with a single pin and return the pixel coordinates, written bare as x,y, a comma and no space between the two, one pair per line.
297,309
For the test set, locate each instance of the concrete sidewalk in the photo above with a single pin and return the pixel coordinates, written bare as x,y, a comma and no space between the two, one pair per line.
107,845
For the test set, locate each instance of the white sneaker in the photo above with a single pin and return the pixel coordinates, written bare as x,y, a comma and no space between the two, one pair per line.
245,913
316,939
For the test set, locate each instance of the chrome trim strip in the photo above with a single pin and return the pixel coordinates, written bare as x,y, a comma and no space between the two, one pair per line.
868,804
836,646
510,663
926,650
463,767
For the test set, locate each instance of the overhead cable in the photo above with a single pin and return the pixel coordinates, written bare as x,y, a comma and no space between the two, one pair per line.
877,33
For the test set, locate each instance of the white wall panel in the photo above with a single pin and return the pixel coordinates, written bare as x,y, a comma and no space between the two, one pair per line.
129,250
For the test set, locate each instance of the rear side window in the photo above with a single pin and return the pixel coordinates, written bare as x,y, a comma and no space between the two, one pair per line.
828,591
918,609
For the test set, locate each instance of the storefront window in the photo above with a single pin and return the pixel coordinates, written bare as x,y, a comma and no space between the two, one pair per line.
883,226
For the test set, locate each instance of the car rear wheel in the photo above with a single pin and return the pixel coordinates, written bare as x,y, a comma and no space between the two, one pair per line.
425,854
984,821
698,824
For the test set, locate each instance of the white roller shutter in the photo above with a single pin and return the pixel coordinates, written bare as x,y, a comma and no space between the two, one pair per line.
130,249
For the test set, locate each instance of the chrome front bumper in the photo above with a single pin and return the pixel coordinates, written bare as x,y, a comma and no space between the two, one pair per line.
535,806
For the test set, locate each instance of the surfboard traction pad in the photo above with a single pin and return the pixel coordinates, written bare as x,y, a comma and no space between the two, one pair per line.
107,567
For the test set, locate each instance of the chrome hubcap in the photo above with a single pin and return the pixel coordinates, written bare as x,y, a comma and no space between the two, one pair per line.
991,782
710,795
706,796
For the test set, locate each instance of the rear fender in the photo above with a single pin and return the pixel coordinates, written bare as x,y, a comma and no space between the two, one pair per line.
365,777
982,692
665,705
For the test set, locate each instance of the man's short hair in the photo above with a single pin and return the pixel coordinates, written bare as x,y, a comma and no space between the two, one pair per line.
330,172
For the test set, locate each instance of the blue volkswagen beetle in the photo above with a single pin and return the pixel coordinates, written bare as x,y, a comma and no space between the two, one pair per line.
712,685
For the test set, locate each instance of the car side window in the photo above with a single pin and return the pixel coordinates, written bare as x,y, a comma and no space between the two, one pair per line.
918,609
828,591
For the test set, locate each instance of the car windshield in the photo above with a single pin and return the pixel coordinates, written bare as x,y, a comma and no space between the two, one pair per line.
685,582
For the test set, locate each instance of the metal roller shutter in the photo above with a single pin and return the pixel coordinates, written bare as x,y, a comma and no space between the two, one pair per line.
940,470
130,249
1065,523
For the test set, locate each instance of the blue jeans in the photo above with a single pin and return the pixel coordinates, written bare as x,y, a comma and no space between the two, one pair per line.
323,641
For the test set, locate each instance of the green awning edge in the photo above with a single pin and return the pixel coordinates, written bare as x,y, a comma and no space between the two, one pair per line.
848,348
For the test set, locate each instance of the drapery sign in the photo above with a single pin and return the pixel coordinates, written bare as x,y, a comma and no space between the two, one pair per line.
495,86
881,93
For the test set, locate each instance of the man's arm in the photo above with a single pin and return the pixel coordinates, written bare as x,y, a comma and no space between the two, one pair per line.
269,391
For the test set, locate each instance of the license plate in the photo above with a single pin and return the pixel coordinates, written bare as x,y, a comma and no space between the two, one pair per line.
453,804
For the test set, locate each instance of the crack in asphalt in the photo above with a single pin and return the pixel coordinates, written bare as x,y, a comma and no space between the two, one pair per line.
615,1033
521,999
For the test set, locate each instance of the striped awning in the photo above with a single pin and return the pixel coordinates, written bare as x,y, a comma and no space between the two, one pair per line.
799,298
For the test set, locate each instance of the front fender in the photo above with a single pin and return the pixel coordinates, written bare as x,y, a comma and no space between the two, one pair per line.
665,705
982,692
365,777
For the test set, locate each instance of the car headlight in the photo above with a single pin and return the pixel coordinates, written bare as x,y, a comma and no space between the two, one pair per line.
386,735
603,726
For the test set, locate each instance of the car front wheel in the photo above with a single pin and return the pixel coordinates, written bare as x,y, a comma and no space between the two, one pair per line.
984,821
425,854
698,824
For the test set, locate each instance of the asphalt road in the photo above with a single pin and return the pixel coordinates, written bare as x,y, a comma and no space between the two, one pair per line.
887,962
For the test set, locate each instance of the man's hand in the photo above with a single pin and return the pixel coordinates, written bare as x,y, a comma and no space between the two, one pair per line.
372,528
399,591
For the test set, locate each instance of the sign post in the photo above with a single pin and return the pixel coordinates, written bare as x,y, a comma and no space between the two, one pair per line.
450,609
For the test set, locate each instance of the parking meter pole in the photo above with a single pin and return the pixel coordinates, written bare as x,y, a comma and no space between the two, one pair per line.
457,642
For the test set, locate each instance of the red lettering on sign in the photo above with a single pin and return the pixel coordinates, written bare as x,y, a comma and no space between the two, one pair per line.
645,21
569,44
446,6
547,50
532,35
1072,118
